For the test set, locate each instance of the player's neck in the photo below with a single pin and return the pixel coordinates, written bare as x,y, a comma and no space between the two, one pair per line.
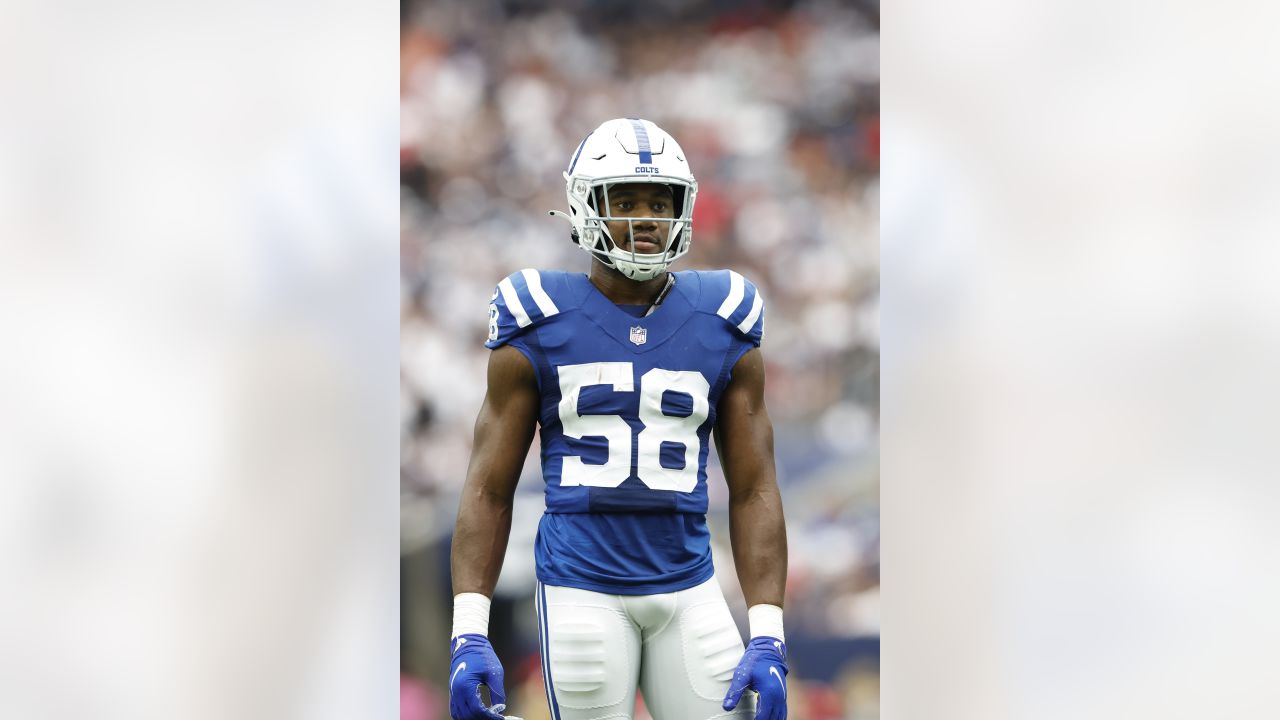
623,291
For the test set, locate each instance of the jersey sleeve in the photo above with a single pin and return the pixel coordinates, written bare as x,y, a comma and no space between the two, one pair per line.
518,303
739,302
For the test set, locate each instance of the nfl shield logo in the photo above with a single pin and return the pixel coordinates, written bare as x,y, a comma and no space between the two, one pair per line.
638,335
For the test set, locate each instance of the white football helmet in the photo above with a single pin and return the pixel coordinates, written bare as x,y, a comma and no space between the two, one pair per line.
628,150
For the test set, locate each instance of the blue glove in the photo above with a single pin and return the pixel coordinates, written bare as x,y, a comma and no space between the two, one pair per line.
763,668
474,664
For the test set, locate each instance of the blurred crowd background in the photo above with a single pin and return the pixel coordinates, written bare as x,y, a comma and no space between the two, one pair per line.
777,106
197,423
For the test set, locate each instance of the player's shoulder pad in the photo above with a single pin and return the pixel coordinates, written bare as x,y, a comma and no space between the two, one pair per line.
736,300
522,300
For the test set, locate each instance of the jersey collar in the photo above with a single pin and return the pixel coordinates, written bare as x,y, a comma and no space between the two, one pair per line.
670,316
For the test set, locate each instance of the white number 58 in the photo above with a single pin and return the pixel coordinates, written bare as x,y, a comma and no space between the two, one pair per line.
659,427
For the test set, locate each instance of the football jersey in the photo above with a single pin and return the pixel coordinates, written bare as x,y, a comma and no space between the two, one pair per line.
626,412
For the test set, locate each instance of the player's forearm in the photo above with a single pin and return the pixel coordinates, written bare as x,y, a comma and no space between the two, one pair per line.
758,534
480,542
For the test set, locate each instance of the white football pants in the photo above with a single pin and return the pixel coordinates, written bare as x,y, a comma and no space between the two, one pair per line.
680,648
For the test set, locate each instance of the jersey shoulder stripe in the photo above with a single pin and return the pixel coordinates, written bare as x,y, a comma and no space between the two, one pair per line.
533,281
734,299
757,309
520,301
524,294
737,300
513,304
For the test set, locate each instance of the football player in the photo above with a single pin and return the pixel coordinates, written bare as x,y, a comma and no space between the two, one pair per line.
629,371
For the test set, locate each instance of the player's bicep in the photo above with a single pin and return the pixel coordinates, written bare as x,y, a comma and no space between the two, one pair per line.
744,433
504,427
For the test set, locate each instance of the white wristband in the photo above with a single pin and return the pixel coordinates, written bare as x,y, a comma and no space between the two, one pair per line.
470,614
765,621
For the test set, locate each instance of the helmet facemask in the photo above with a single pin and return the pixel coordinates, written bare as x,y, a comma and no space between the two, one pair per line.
586,201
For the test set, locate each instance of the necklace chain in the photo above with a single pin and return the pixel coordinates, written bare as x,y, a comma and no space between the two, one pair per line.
671,281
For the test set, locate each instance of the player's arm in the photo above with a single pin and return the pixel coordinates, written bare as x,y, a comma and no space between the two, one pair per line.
503,431
744,440
757,532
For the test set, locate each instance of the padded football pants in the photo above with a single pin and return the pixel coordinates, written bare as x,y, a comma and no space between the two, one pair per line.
679,648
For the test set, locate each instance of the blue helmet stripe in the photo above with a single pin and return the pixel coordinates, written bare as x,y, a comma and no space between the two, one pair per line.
578,152
642,139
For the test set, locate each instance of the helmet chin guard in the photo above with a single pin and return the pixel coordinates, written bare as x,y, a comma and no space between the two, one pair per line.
625,151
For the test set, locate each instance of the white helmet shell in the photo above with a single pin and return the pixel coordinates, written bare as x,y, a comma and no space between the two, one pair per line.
629,150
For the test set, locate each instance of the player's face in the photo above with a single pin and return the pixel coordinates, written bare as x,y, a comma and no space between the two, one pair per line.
640,200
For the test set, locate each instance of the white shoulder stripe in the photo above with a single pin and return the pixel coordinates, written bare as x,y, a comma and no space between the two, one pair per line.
756,306
736,289
540,296
513,302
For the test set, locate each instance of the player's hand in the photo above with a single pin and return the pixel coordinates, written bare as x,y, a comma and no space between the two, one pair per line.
474,664
763,668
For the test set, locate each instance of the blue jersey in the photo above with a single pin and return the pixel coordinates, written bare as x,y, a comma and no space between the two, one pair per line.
627,408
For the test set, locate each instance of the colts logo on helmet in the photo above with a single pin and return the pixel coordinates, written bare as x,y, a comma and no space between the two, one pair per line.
639,335
647,170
